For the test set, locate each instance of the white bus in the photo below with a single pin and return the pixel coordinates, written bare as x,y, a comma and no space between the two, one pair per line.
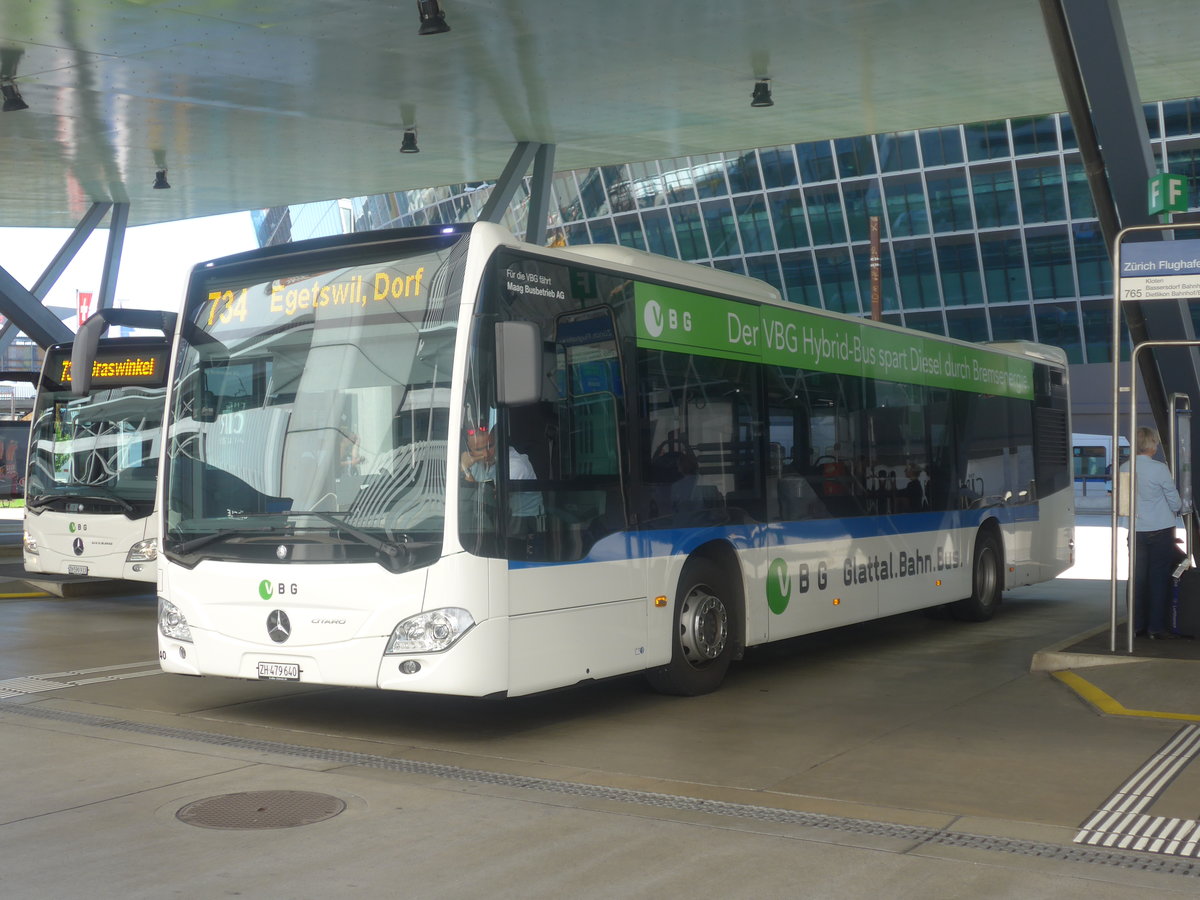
442,460
94,444
1092,459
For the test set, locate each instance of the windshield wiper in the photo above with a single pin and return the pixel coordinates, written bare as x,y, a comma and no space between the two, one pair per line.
397,552
103,498
205,539
40,500
392,549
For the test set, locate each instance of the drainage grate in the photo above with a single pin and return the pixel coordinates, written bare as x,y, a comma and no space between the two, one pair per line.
918,836
261,809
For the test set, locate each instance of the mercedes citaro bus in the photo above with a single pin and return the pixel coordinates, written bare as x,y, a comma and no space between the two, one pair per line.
442,460
94,444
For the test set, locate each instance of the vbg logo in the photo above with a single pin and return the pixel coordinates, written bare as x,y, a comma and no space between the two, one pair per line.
267,588
779,586
779,582
657,320
653,317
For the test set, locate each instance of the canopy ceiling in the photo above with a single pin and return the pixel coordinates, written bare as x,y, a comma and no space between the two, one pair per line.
255,103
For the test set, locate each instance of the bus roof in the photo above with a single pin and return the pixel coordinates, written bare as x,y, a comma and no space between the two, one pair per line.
698,275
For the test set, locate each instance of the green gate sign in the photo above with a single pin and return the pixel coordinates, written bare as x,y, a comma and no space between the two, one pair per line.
1167,193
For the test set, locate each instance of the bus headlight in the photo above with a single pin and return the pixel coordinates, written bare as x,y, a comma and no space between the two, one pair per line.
171,621
143,551
429,632
30,543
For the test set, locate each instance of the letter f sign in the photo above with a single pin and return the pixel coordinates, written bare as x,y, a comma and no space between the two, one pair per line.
1166,193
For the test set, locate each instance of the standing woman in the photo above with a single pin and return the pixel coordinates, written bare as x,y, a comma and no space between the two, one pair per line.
1158,504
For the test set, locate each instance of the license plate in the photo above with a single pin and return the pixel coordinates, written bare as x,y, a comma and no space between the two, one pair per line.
272,671
77,570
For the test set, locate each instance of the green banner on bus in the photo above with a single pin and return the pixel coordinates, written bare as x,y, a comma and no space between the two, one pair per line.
687,322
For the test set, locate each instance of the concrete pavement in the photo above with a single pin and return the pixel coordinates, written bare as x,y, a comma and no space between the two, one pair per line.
912,757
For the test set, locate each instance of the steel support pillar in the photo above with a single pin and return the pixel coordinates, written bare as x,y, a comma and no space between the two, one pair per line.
24,308
1092,54
26,313
112,256
93,217
514,173
539,195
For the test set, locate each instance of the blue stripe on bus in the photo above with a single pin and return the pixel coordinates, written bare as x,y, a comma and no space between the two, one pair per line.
624,546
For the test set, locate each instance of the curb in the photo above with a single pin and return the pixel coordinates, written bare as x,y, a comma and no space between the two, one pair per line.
1056,657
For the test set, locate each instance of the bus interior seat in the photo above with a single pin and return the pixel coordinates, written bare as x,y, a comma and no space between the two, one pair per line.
710,496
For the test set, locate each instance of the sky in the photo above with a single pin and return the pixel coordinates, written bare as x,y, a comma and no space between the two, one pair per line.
155,264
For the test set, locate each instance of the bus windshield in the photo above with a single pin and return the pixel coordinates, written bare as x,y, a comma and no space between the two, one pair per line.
315,405
97,453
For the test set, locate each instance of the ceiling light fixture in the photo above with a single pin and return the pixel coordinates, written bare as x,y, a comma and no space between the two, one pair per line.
433,20
408,144
12,97
160,180
762,93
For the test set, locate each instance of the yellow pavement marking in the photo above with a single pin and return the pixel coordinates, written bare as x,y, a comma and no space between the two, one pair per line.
1108,705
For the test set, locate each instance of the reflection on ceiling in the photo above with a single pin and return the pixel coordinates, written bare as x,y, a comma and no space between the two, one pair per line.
251,103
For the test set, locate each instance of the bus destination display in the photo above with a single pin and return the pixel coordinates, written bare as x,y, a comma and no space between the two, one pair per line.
115,368
346,292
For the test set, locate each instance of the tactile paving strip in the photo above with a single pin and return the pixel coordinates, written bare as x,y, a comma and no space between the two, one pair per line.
1123,820
56,681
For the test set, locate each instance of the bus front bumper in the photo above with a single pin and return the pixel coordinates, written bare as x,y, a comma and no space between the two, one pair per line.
475,666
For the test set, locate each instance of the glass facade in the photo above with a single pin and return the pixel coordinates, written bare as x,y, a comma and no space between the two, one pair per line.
282,224
988,229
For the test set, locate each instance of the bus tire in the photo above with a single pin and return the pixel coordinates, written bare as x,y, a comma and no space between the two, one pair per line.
703,638
986,581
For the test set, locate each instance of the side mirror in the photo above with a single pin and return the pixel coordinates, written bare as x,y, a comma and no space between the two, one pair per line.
518,363
206,411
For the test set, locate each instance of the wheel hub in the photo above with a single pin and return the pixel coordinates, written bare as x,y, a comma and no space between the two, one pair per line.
705,626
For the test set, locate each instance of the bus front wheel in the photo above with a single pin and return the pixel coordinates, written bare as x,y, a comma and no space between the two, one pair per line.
703,637
986,581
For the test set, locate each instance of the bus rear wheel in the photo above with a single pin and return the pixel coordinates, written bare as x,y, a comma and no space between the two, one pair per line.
703,637
986,581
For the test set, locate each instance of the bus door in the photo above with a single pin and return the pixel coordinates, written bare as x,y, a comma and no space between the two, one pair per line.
560,451
565,487
823,560
572,568
903,422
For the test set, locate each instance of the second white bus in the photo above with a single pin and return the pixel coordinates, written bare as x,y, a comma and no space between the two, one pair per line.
92,478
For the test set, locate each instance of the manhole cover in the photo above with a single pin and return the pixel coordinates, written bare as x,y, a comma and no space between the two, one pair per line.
261,809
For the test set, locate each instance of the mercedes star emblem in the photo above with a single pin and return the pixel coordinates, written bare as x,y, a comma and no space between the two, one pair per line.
77,546
281,551
278,626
